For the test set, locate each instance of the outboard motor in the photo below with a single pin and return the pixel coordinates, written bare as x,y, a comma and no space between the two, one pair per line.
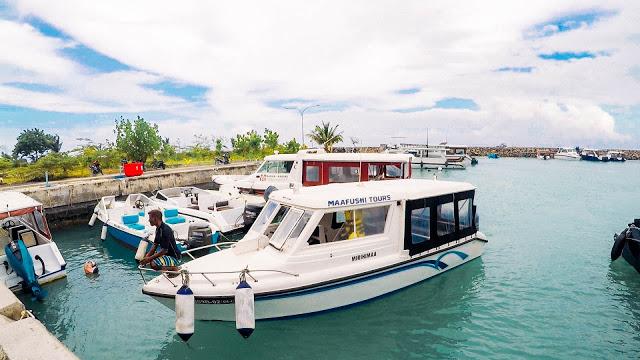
250,214
199,235
20,260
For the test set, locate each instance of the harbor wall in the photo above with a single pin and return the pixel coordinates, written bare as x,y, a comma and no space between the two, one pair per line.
23,337
72,201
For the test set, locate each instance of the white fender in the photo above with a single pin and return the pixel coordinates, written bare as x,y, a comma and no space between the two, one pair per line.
245,309
103,234
142,249
93,219
185,312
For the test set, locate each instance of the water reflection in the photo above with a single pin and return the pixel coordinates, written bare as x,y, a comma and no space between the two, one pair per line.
422,320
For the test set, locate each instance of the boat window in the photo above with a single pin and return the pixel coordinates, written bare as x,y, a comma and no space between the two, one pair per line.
350,224
465,214
393,171
446,223
312,173
290,227
264,216
376,172
344,174
41,223
275,222
276,167
420,225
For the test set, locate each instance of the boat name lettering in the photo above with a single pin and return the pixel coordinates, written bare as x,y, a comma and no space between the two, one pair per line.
214,301
363,256
359,200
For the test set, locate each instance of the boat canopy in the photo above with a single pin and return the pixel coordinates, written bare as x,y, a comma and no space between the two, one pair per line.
13,203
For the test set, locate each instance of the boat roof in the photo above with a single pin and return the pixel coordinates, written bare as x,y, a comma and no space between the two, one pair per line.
368,192
13,200
355,157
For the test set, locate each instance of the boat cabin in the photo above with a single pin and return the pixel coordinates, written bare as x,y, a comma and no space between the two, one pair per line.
316,167
405,216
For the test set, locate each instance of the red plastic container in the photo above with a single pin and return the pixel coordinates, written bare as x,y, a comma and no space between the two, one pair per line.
133,169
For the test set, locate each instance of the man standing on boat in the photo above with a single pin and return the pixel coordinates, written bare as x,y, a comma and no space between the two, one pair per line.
167,257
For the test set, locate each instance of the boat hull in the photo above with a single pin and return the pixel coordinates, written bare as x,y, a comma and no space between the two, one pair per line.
567,157
126,238
340,293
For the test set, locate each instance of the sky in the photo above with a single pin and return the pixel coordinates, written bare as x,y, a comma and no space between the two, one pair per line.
542,73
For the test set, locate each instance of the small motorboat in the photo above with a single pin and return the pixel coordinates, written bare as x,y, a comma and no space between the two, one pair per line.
457,156
544,154
127,221
627,244
493,156
319,248
594,155
616,156
567,153
27,252
224,209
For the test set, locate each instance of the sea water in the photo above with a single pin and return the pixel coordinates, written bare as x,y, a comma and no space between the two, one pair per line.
545,287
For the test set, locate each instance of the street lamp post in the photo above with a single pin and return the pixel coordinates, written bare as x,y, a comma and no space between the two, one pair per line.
301,112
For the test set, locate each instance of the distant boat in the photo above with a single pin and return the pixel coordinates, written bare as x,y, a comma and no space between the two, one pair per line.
545,154
567,153
493,156
616,156
593,155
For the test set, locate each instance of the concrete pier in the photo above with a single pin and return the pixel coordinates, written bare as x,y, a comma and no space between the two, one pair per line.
73,200
23,337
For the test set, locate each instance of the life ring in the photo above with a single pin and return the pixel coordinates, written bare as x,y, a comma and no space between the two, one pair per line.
618,245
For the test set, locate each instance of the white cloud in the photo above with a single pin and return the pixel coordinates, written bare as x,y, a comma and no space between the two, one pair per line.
357,52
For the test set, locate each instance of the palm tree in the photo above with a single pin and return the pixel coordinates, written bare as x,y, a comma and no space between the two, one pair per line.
325,135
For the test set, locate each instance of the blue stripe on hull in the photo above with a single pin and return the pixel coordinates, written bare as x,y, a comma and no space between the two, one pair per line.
129,240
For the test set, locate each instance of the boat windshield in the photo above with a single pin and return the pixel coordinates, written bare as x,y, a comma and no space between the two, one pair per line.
290,227
264,216
275,167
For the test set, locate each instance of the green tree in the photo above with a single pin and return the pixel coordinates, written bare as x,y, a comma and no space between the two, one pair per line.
138,139
291,147
270,139
219,146
33,143
167,150
55,145
247,144
326,136
56,162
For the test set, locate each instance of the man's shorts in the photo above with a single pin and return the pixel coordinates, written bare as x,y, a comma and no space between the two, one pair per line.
166,261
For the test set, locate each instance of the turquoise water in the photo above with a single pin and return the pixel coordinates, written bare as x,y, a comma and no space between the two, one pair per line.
544,288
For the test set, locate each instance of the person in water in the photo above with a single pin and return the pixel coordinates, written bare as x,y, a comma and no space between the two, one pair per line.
169,254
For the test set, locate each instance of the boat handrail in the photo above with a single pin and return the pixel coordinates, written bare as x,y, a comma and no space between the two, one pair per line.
216,245
187,274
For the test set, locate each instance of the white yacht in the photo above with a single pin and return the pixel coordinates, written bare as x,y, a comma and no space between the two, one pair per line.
319,248
567,153
458,157
313,167
29,256
423,156
616,156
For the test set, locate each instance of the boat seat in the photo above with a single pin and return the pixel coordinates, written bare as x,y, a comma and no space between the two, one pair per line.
172,217
136,226
28,237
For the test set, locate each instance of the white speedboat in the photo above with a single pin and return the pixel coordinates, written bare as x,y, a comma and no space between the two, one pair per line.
320,248
458,157
29,256
128,222
567,153
544,154
223,209
313,167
